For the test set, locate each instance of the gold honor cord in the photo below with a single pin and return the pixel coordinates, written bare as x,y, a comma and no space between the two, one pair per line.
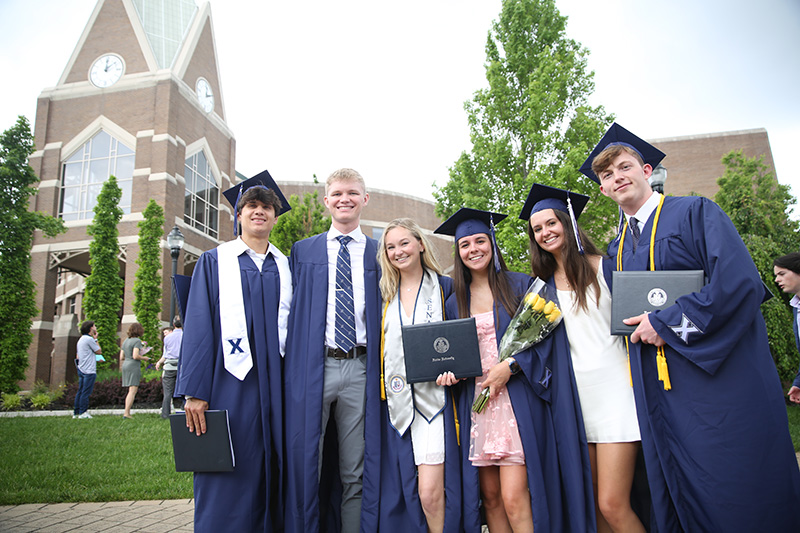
383,379
661,358
383,340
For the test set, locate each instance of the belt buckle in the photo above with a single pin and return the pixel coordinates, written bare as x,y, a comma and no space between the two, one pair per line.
337,353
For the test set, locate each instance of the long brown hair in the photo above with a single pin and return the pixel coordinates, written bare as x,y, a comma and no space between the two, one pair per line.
390,276
498,284
578,268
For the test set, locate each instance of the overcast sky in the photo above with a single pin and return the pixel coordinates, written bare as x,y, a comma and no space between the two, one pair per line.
311,86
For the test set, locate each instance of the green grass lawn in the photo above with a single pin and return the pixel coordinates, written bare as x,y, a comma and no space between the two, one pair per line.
794,425
59,459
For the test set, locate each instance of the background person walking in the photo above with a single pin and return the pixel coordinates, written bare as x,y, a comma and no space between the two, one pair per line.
169,360
86,361
130,357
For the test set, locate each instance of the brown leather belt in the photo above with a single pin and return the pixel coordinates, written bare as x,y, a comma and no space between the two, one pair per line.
338,353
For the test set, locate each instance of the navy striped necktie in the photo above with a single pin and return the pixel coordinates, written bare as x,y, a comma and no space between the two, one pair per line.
345,323
634,224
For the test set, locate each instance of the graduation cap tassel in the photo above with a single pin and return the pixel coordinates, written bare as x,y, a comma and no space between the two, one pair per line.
494,245
236,213
663,371
628,352
574,225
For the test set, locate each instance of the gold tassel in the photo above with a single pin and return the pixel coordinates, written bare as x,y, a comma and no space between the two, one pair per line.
455,416
383,339
663,371
630,373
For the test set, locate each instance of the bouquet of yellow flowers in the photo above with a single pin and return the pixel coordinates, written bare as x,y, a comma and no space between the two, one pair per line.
537,315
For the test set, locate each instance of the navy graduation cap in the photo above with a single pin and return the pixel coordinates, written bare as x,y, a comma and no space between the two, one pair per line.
542,197
467,221
616,134
259,180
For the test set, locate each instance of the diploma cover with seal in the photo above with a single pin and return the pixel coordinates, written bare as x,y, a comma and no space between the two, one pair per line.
637,292
436,347
210,452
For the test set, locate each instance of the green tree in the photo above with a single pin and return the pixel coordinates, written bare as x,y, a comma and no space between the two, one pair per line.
306,218
17,225
102,300
147,288
532,124
759,207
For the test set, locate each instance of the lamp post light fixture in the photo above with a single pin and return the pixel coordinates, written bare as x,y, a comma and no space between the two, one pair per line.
175,240
658,178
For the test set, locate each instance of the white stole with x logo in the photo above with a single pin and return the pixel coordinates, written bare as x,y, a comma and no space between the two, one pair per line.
233,323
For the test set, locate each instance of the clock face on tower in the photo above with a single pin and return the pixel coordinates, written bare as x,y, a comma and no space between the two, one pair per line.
106,70
204,94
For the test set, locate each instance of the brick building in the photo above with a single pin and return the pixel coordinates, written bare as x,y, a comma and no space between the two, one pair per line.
694,162
140,98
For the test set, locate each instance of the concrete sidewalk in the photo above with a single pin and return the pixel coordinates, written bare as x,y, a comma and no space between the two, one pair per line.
155,516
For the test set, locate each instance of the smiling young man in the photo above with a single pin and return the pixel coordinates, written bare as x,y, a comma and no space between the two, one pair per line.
710,407
234,337
334,337
787,276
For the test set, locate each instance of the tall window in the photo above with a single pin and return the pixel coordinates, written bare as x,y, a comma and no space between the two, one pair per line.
87,170
202,195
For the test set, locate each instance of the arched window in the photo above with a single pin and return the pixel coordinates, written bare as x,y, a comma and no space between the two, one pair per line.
88,168
201,199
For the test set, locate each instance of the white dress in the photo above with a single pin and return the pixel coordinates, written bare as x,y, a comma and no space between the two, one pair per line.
427,438
601,368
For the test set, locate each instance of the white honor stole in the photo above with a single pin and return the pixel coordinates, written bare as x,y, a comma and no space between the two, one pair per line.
402,398
233,322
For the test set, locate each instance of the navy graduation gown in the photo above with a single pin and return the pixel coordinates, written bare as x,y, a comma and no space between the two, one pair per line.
717,447
304,375
395,506
247,499
548,416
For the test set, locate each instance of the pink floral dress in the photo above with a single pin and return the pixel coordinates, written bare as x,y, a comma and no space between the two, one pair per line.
494,436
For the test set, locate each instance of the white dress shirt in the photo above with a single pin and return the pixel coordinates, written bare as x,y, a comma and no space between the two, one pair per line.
644,212
285,275
356,248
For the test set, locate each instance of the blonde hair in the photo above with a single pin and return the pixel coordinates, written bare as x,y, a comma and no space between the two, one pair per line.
390,276
604,159
345,174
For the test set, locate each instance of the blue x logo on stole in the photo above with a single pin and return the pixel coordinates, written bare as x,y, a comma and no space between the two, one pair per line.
235,346
545,382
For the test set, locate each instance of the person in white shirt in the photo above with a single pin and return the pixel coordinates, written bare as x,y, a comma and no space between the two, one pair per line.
86,361
231,359
333,340
787,276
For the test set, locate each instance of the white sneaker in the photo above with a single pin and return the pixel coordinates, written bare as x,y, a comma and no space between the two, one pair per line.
85,415
74,416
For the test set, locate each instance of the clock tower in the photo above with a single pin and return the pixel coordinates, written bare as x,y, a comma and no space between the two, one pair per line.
141,99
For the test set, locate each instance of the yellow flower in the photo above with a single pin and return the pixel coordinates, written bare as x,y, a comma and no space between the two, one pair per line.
552,317
538,304
531,298
548,308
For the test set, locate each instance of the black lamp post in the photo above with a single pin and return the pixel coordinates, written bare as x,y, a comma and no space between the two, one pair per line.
658,178
175,242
